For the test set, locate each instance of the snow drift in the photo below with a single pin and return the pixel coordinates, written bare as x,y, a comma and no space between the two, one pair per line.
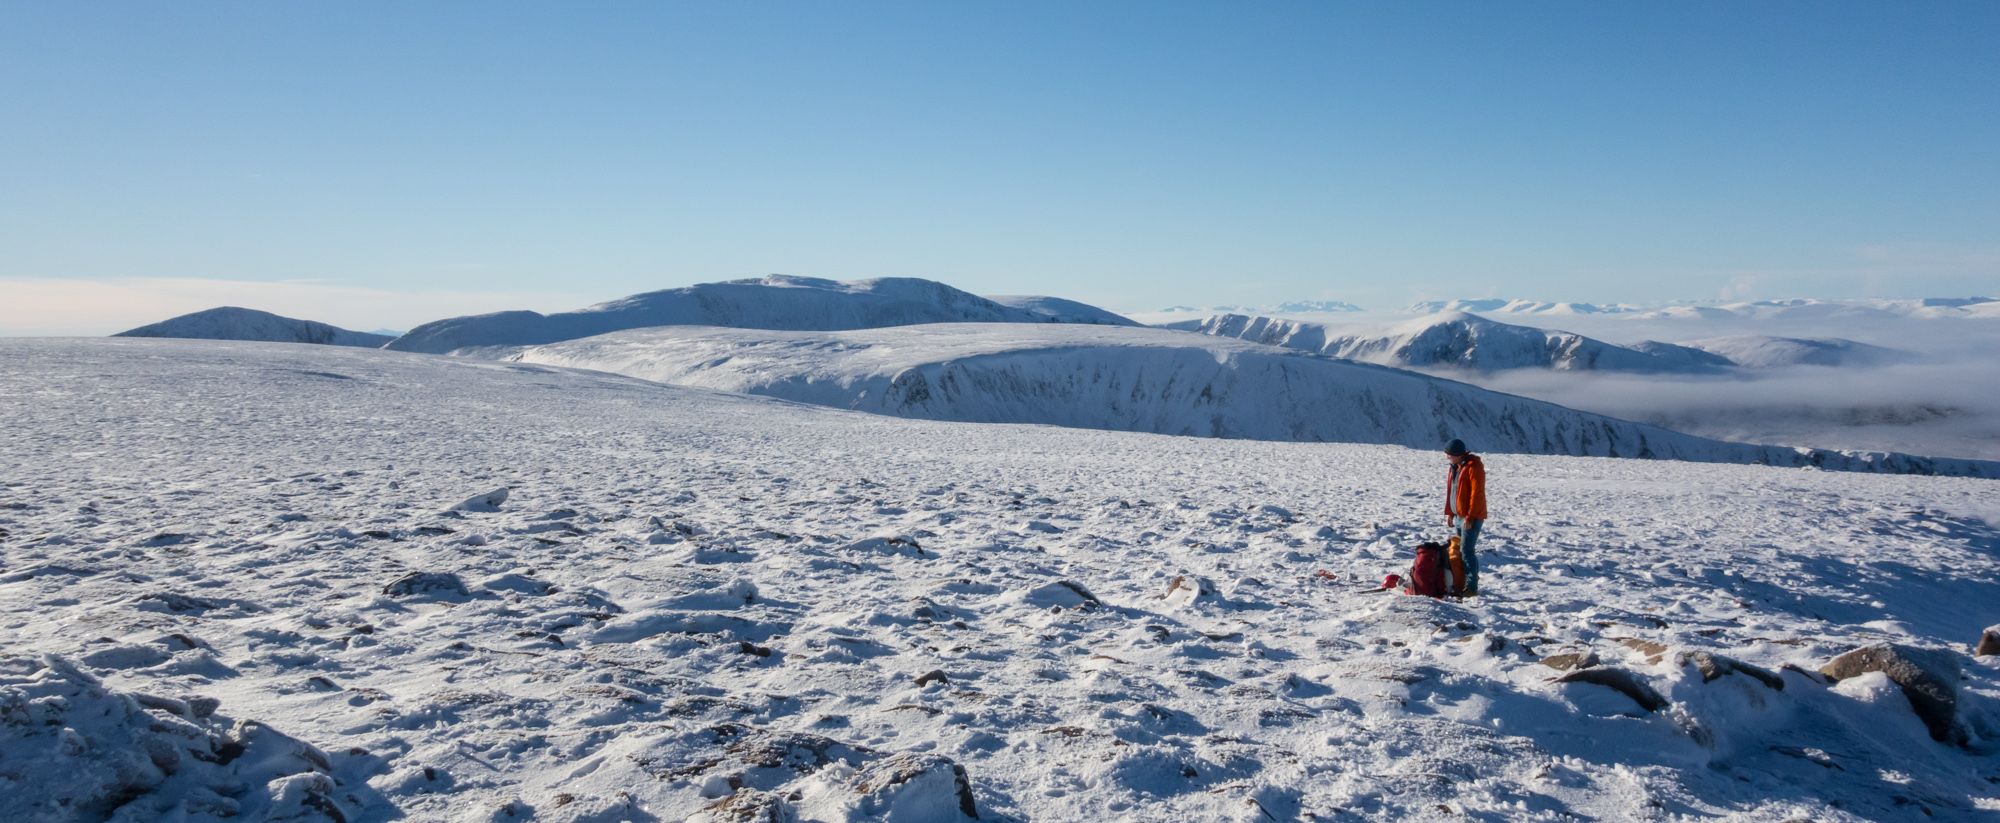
231,323
1150,380
1455,339
774,302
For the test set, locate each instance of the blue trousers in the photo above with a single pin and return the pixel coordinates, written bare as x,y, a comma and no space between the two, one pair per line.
1468,539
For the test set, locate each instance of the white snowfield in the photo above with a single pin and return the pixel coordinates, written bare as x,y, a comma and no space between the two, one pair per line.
1150,380
1062,311
774,302
255,581
1457,340
231,323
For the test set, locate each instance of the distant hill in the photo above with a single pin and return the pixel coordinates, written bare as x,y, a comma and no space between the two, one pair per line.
1063,311
232,323
1514,307
774,302
1761,352
1458,340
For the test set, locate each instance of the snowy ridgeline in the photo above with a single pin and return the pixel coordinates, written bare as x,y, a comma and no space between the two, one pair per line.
244,581
774,302
1934,307
231,323
1150,380
1456,340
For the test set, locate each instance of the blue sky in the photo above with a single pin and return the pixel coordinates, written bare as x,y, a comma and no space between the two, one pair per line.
402,158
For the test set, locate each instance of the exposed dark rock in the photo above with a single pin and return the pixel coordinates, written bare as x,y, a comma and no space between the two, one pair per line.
1713,666
885,782
1929,678
934,676
747,806
419,583
1989,641
1571,660
1623,681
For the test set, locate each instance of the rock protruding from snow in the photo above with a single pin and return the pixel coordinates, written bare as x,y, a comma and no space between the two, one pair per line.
1621,680
1186,590
74,748
1928,677
1454,340
915,788
774,302
1989,642
232,323
1713,666
421,584
1061,594
483,502
747,806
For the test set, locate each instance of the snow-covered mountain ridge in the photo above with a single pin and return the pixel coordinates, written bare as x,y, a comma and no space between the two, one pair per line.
691,599
1455,339
774,302
1794,308
1149,380
232,323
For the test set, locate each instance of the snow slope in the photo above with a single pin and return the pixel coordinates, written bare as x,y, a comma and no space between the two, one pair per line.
1062,311
685,592
774,302
1451,339
1764,352
1148,380
231,323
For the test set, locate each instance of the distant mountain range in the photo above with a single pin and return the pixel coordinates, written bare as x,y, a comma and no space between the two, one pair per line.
1149,380
1294,307
1458,340
231,323
774,302
1921,307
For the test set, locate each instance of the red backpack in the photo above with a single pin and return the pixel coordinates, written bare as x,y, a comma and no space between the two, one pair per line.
1428,575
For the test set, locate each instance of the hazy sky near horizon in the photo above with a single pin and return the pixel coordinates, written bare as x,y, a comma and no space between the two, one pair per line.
396,162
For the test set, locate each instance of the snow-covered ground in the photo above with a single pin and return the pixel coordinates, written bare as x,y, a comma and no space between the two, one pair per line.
687,592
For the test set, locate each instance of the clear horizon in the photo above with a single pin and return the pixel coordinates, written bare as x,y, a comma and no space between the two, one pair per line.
387,164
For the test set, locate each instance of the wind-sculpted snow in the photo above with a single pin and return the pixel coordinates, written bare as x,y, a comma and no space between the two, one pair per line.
1152,380
711,606
774,302
1456,340
231,323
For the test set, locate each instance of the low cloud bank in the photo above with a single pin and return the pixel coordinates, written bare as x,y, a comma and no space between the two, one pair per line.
1936,409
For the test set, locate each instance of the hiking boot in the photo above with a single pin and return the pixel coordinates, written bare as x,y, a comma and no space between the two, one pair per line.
1471,589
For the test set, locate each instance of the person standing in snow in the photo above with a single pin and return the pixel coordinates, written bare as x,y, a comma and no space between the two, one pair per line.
1465,506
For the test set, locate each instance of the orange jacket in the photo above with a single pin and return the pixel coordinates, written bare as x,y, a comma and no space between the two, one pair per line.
1465,490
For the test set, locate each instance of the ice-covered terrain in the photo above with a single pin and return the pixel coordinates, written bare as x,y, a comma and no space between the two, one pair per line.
231,323
774,302
1514,307
1149,380
281,582
1457,340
